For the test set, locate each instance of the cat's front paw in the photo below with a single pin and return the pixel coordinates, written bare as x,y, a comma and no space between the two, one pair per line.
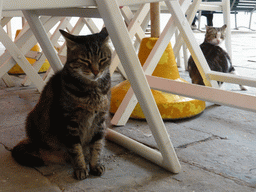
81,174
97,170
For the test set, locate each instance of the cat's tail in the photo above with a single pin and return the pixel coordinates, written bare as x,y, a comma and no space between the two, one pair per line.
27,154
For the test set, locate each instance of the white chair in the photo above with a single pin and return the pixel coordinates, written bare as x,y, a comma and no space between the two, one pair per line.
20,49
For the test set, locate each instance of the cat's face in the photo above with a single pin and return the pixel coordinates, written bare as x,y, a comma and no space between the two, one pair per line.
215,35
88,56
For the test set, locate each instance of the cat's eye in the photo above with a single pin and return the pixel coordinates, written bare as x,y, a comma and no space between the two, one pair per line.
103,60
85,61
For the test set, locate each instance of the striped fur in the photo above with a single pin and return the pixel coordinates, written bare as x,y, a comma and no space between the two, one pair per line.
69,121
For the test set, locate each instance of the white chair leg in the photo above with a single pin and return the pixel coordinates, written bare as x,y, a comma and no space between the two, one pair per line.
110,12
226,19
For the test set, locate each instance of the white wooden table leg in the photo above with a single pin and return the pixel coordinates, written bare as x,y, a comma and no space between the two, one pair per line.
226,18
110,12
45,43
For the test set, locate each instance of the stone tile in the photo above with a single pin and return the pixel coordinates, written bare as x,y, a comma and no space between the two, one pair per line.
223,157
14,177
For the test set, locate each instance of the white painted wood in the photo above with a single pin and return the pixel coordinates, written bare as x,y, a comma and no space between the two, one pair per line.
119,34
8,80
91,25
191,12
134,28
18,56
1,7
146,152
41,35
25,41
73,30
49,4
218,96
226,18
177,56
232,78
5,20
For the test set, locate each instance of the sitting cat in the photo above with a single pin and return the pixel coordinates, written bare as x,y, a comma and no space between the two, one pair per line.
216,57
69,121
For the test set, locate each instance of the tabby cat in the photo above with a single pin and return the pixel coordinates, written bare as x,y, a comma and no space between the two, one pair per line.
69,121
217,58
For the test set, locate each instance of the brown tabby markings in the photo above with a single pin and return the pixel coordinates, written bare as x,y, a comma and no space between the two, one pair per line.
69,121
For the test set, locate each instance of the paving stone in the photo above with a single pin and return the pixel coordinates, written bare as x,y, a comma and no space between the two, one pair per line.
15,177
223,157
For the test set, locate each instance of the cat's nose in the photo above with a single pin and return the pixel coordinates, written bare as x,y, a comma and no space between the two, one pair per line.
95,72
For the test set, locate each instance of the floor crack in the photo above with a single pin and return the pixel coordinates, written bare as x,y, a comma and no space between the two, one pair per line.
236,180
213,137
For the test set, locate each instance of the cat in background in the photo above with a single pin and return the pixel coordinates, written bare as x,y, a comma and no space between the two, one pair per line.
69,121
217,59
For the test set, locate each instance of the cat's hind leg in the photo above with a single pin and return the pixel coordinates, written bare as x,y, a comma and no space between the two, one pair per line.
27,153
31,154
243,88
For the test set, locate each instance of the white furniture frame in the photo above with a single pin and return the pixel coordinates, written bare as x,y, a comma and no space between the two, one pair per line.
139,79
20,48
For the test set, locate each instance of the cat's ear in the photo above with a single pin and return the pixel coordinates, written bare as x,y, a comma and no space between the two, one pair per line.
68,37
224,27
66,34
104,34
104,31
